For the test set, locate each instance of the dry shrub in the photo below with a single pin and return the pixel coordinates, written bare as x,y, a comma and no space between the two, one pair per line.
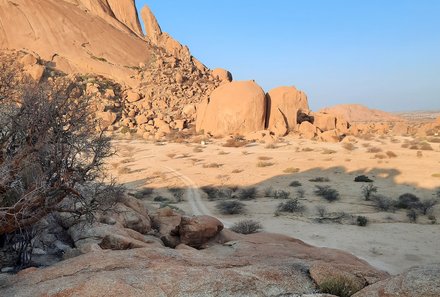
391,154
291,170
374,150
328,152
236,141
264,164
247,227
349,146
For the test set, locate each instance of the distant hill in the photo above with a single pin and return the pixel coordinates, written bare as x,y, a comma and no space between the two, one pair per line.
360,113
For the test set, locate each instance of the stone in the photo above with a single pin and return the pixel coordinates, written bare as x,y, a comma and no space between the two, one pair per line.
133,96
28,60
222,75
417,281
119,242
162,126
279,124
152,27
36,71
329,136
106,118
400,129
234,108
166,222
287,100
141,119
324,121
189,109
197,231
307,130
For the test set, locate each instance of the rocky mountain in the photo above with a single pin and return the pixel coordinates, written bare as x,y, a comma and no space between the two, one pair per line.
360,113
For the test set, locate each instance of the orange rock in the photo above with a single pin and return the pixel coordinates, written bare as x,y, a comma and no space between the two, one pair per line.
222,75
324,121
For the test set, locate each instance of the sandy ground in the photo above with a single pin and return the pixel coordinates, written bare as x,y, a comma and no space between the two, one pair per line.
389,242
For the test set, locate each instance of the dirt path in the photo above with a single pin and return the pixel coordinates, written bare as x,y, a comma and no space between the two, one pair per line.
193,196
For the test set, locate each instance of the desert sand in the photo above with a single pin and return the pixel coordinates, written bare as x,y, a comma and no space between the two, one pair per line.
389,242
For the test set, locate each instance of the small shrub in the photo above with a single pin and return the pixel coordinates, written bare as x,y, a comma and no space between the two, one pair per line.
328,152
237,141
362,221
237,171
426,147
380,156
339,286
264,164
327,193
264,158
198,149
412,215
319,180
177,193
307,149
295,184
145,192
247,227
383,203
419,154
271,146
300,193
432,219
363,179
291,205
247,193
230,207
291,170
374,150
368,191
280,194
321,210
212,165
349,146
217,193
427,205
160,199
408,201
269,192
391,154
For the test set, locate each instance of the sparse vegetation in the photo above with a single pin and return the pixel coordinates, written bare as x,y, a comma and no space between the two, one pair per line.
374,150
300,193
327,193
177,193
215,193
295,184
339,286
363,179
271,146
408,201
236,141
247,194
264,164
230,207
426,206
349,146
291,205
412,215
264,158
362,221
321,210
291,170
391,154
142,194
328,151
368,191
247,227
319,180
280,194
383,203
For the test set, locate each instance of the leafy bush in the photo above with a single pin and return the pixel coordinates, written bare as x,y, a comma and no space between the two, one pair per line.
247,227
327,193
412,215
291,205
368,191
280,194
362,221
363,179
383,203
339,286
408,201
427,205
230,207
319,180
295,184
247,193
321,210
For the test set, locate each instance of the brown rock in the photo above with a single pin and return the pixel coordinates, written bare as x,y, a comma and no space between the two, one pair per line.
36,71
329,136
132,96
141,119
28,60
163,127
197,231
222,75
189,109
324,121
287,100
279,124
307,130
418,281
119,242
106,118
167,221
151,25
234,108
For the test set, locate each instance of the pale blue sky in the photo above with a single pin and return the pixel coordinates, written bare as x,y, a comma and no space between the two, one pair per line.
381,53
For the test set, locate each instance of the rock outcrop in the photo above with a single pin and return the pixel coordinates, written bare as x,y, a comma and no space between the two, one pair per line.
359,113
418,281
235,265
238,107
287,101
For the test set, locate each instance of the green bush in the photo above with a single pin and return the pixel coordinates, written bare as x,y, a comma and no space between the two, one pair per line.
295,184
247,193
362,221
383,203
327,193
291,205
363,179
280,194
408,201
247,227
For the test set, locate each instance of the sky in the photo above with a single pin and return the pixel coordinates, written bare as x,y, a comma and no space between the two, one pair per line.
384,54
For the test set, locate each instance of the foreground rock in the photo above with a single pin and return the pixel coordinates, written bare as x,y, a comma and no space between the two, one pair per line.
418,281
238,107
234,265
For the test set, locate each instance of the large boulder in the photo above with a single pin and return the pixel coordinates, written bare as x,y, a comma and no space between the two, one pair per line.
152,27
197,231
324,121
307,130
418,281
288,101
222,75
234,108
166,222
